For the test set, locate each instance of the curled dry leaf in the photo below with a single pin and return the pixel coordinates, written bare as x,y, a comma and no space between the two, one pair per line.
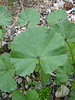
68,5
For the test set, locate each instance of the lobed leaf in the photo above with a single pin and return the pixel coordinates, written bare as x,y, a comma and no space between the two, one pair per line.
72,95
64,72
38,45
30,15
56,16
17,95
73,91
7,83
67,30
30,95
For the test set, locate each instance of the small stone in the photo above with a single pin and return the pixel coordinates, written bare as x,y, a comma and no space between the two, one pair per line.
26,86
4,95
56,5
19,81
61,3
10,95
62,91
18,32
24,92
69,1
23,28
27,78
48,10
3,43
68,5
33,76
73,18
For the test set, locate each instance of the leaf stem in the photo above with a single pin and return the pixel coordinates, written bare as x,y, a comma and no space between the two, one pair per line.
41,72
71,53
1,46
42,77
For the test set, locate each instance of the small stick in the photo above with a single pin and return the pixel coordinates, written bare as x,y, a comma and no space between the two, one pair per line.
22,4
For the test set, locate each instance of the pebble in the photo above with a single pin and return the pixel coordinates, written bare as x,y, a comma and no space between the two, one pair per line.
73,18
61,3
4,95
33,76
23,29
71,1
19,81
10,95
56,6
26,86
71,10
3,43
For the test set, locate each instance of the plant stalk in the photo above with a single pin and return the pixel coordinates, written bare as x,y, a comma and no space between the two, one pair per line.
71,53
1,46
42,77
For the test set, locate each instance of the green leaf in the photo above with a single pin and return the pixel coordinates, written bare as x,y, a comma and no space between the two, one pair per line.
35,83
67,30
45,93
57,81
73,85
10,3
72,95
7,83
5,16
62,75
32,95
40,44
17,95
30,15
45,77
64,72
0,33
56,16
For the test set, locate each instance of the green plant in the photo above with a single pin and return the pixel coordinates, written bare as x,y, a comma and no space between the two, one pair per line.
5,19
52,49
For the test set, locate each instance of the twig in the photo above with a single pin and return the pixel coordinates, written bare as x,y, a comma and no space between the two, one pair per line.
22,5
15,21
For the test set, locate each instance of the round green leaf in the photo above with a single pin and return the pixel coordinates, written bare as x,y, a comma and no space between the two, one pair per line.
5,16
72,95
17,95
56,16
32,95
7,83
30,15
40,44
67,30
